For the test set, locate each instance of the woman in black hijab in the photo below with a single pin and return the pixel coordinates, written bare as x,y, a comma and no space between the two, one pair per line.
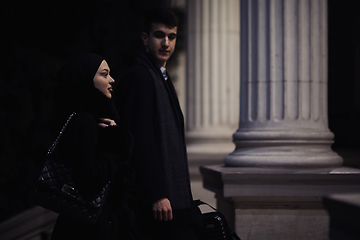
95,147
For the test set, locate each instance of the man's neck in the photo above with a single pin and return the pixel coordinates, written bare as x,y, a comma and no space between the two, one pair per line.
161,64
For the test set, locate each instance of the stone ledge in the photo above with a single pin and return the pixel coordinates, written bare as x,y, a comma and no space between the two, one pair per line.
29,224
233,181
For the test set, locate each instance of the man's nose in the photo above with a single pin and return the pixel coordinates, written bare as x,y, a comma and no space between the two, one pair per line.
166,42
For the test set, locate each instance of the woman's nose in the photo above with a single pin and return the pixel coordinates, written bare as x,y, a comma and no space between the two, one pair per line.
111,80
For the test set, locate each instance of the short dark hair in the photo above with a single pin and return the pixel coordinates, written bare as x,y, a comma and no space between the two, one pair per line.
160,15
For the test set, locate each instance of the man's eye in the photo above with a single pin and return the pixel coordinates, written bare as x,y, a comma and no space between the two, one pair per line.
172,37
159,35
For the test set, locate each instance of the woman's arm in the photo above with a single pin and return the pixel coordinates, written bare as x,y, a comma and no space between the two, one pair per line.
93,166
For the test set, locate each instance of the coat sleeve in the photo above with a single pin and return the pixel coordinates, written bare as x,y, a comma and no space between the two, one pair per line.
135,102
93,165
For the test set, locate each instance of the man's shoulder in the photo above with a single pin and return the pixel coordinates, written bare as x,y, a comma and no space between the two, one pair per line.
136,68
137,72
143,64
137,77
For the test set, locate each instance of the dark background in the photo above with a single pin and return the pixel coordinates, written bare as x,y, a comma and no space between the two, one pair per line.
38,38
344,78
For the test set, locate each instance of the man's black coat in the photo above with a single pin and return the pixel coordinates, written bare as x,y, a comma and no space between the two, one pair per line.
149,107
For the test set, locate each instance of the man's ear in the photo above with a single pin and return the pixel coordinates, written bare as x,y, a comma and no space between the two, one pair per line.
144,38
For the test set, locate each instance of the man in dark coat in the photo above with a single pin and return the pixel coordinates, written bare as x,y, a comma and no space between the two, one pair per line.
148,105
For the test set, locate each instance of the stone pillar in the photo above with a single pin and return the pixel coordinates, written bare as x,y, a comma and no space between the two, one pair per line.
212,69
273,183
283,112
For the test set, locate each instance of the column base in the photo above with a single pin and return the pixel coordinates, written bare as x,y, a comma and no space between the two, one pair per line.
214,141
278,203
209,135
306,156
289,149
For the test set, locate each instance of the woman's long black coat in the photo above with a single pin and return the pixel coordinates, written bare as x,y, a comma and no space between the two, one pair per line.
97,155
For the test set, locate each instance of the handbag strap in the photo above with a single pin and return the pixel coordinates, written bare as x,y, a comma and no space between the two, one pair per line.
60,134
199,202
232,232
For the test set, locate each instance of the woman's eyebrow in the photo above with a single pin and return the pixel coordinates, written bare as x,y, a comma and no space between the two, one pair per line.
105,69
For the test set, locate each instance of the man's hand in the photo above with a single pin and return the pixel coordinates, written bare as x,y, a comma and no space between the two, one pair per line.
162,210
106,122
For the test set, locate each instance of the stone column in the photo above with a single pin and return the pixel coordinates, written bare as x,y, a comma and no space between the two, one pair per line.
274,182
212,69
283,112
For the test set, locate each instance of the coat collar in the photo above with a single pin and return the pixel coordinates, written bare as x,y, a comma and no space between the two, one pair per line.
145,59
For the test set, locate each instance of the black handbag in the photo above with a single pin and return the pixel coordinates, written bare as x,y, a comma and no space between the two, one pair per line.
55,190
215,226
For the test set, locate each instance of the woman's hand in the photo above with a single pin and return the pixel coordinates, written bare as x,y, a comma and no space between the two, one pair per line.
106,122
162,210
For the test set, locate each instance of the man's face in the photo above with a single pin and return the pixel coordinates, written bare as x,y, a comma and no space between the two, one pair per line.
160,43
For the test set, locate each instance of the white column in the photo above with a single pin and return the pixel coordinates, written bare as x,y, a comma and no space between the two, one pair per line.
283,112
212,68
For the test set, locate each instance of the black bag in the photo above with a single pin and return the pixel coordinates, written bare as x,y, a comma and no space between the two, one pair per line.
55,190
215,226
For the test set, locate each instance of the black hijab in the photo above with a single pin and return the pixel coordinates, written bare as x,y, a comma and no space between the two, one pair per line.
76,91
82,68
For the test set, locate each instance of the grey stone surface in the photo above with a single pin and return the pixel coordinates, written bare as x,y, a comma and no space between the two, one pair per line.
282,224
29,225
278,203
344,210
231,181
276,217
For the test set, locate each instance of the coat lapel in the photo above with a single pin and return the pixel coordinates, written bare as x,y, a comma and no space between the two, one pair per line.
175,102
156,73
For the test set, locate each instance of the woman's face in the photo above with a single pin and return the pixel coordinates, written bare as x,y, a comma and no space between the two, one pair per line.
102,80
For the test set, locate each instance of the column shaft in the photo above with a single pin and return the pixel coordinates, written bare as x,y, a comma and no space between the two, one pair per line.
213,68
283,113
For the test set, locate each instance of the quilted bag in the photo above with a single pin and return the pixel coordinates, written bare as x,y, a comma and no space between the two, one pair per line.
55,190
215,226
